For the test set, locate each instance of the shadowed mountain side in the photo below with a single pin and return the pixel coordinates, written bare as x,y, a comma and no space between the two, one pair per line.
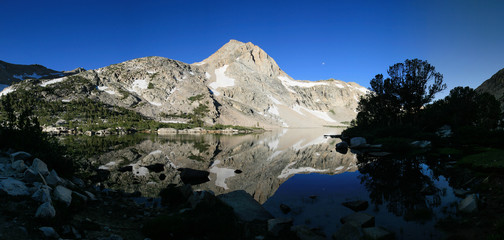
494,86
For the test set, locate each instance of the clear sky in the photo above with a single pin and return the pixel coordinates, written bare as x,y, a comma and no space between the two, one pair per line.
310,40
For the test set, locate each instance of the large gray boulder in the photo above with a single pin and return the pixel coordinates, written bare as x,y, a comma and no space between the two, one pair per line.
63,194
19,166
19,156
244,206
469,204
53,179
31,176
39,166
13,187
43,194
45,210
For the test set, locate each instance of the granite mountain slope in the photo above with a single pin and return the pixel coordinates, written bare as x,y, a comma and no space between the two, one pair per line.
239,84
494,86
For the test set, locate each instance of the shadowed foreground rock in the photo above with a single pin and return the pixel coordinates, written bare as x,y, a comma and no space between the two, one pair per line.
245,207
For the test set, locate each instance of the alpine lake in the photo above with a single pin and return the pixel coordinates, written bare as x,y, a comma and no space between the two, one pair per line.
298,168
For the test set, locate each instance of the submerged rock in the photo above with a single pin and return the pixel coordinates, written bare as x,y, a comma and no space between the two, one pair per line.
348,232
245,207
377,233
359,219
278,225
285,209
358,205
303,232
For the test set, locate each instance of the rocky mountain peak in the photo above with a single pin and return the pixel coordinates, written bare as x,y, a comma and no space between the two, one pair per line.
245,54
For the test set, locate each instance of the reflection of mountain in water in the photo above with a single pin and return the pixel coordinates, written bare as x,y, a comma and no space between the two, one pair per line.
265,161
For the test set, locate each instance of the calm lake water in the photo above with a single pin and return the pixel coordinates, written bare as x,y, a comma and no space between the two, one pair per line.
296,167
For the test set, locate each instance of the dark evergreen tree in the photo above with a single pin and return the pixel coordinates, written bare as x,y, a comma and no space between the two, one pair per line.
398,98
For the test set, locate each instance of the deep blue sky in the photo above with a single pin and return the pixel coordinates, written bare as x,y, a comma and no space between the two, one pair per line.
311,40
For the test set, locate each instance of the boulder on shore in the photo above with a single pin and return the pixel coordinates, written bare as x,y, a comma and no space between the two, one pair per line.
39,166
63,194
166,131
13,187
45,210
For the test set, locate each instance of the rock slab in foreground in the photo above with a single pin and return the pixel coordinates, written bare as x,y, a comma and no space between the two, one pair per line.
244,206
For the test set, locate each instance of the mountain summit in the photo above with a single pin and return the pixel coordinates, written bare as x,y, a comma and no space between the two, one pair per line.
240,84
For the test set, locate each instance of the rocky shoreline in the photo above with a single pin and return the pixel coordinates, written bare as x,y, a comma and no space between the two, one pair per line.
61,130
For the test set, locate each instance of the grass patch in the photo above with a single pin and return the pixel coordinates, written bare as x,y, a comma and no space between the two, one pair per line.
449,151
488,159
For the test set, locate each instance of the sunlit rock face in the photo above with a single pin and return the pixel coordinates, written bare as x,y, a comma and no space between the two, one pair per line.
258,164
240,84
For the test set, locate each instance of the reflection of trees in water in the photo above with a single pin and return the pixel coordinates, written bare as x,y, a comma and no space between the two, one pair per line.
402,184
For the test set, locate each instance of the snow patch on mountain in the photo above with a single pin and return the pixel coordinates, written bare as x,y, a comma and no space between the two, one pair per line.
221,80
56,80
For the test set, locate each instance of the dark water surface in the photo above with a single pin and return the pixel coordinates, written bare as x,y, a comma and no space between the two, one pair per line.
296,167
